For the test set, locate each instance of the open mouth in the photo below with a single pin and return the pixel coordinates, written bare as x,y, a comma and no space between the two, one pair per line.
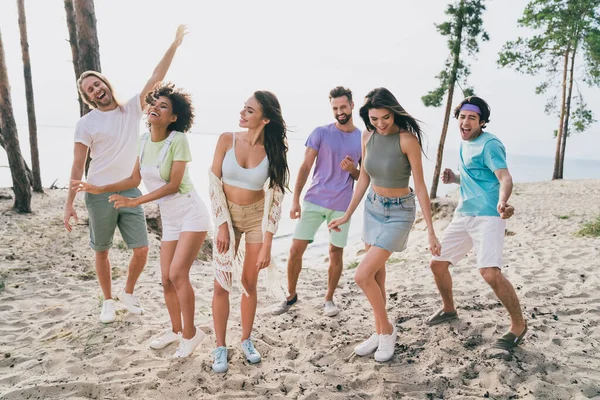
152,113
101,95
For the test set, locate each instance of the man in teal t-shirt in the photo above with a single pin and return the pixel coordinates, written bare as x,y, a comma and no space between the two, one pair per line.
480,218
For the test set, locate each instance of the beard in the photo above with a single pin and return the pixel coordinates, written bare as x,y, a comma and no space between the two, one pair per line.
343,120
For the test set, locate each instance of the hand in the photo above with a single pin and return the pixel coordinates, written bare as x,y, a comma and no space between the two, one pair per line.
448,176
435,248
347,164
505,210
69,212
295,211
334,225
81,186
223,238
181,32
264,257
122,201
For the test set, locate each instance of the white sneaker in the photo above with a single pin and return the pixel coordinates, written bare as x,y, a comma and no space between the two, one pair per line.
108,315
368,346
187,346
131,302
385,350
330,309
164,340
252,355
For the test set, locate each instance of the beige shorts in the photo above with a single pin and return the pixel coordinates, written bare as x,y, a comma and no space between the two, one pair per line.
247,219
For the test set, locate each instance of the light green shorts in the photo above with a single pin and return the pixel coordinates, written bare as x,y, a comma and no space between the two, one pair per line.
104,218
311,218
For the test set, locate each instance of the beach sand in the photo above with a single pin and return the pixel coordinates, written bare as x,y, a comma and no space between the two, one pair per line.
52,345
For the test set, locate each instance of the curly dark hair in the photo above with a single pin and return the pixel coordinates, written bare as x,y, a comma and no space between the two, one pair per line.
486,111
181,103
383,98
275,140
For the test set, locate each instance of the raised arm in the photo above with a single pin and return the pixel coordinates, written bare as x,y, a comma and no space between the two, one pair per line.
309,159
163,66
79,156
410,145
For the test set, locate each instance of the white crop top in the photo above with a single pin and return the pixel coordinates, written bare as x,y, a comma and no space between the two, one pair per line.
246,178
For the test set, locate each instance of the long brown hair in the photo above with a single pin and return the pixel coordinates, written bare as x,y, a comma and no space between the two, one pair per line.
91,103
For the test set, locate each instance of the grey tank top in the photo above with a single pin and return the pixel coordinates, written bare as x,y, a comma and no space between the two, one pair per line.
385,162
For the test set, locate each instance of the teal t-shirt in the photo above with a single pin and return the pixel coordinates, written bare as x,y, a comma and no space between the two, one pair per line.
178,151
479,187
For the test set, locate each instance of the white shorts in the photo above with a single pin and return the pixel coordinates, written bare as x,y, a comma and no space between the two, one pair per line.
485,234
184,213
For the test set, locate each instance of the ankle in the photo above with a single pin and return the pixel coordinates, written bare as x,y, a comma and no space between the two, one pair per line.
291,296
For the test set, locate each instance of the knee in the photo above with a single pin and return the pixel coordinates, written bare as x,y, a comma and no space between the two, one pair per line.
336,254
249,284
140,252
178,277
438,267
361,278
219,292
102,255
296,252
491,275
166,282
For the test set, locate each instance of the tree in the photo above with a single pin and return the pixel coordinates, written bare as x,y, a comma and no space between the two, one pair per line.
83,37
35,156
566,35
21,185
464,30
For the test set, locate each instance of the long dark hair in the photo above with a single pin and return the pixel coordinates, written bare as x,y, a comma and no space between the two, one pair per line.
383,98
275,139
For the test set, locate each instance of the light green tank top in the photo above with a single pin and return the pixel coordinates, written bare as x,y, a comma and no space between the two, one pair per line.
385,162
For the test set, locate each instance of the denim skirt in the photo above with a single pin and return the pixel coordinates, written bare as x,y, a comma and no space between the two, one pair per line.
388,220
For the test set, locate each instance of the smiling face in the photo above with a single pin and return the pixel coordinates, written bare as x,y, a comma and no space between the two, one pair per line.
342,109
251,116
160,112
383,120
469,124
97,92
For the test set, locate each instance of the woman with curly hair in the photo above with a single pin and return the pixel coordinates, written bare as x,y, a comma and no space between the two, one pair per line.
163,154
248,178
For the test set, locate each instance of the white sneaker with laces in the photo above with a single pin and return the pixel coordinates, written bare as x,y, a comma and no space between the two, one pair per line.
385,350
252,355
330,309
165,339
131,302
368,346
108,314
187,346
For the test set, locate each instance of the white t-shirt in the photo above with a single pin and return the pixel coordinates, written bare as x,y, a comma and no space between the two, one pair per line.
112,139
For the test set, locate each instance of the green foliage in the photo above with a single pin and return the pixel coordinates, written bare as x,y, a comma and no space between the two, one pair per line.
2,286
464,30
353,264
590,228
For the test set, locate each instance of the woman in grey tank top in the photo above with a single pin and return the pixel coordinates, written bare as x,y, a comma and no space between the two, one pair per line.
391,150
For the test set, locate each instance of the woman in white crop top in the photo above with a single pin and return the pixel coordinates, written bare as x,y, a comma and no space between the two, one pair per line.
244,204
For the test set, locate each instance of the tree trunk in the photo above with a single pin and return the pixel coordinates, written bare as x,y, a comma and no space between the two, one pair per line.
555,173
33,144
70,10
453,73
11,141
567,114
27,170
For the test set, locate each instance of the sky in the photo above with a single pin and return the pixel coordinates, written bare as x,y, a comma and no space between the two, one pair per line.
299,50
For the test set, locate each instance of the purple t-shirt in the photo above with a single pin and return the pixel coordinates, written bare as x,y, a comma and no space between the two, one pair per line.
332,186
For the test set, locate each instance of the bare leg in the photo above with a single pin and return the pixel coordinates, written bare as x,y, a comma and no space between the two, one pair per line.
103,273
507,295
187,250
249,280
167,250
295,265
443,281
365,278
220,310
336,265
136,266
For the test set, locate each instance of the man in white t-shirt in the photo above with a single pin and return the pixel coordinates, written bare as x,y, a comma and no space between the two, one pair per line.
110,132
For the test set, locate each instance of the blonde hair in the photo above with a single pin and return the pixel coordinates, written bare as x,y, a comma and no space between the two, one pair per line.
91,103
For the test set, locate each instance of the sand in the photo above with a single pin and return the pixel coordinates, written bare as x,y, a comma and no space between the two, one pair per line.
52,345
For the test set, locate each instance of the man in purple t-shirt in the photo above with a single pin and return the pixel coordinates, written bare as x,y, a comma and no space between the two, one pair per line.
337,150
